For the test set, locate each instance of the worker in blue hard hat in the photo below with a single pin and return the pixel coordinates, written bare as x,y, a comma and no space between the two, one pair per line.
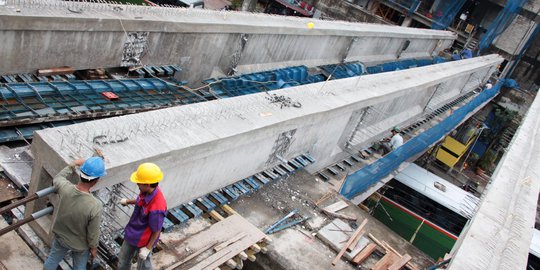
77,214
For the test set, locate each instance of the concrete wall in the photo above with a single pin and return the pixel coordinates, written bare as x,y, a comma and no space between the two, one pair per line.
203,147
515,35
42,34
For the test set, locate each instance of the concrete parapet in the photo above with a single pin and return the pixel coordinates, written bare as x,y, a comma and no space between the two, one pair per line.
44,33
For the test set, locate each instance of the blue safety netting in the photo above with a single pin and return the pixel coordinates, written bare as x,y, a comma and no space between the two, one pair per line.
532,37
262,81
410,5
361,180
503,20
445,13
345,70
404,64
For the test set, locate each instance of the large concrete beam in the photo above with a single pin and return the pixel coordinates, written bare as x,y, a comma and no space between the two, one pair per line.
203,147
48,33
499,235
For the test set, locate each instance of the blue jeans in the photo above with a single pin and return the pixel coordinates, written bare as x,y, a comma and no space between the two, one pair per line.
57,253
127,252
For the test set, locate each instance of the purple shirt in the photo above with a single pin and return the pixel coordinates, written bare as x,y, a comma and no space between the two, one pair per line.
147,218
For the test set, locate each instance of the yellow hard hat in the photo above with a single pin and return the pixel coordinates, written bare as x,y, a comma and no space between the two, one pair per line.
147,173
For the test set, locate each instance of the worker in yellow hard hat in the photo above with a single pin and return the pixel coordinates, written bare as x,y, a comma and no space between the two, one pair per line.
142,231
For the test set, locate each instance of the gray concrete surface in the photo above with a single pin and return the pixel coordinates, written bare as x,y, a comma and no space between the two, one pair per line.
514,37
298,248
47,33
499,235
206,146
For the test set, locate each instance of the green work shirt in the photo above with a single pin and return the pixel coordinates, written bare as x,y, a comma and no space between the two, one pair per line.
78,214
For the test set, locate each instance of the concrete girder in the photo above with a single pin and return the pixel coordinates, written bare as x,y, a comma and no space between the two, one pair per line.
46,33
206,146
499,235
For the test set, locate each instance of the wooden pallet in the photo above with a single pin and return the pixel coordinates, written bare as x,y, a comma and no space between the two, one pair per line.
223,245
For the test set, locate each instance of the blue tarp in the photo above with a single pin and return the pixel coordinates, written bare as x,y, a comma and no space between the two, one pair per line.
410,5
445,13
503,20
361,180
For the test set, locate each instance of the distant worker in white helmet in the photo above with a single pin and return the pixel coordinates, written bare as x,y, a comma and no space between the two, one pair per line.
142,231
395,141
78,214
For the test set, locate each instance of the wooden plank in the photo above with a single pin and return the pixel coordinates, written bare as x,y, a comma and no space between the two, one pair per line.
355,241
377,241
230,241
336,206
325,197
229,210
344,249
336,215
357,238
176,244
387,246
336,239
365,253
215,215
55,71
386,261
193,255
400,263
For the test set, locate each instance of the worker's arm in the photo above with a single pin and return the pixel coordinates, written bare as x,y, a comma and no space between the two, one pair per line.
125,201
155,222
60,179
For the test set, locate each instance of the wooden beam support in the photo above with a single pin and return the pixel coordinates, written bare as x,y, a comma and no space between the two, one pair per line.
229,210
215,215
386,261
400,263
357,238
344,249
365,253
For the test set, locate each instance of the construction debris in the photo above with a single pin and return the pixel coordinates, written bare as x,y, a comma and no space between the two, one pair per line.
17,164
336,235
336,206
354,239
285,222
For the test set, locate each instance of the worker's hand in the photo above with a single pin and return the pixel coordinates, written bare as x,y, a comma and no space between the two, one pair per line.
78,162
143,253
124,202
93,253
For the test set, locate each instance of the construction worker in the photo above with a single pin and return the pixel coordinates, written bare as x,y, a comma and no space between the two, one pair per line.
78,214
395,141
142,231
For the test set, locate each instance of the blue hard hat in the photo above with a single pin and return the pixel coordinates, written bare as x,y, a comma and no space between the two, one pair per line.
94,167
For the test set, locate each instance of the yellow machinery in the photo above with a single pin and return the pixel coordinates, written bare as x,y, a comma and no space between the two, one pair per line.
451,150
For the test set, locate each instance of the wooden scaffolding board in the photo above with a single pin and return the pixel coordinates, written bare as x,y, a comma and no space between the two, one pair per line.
209,248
